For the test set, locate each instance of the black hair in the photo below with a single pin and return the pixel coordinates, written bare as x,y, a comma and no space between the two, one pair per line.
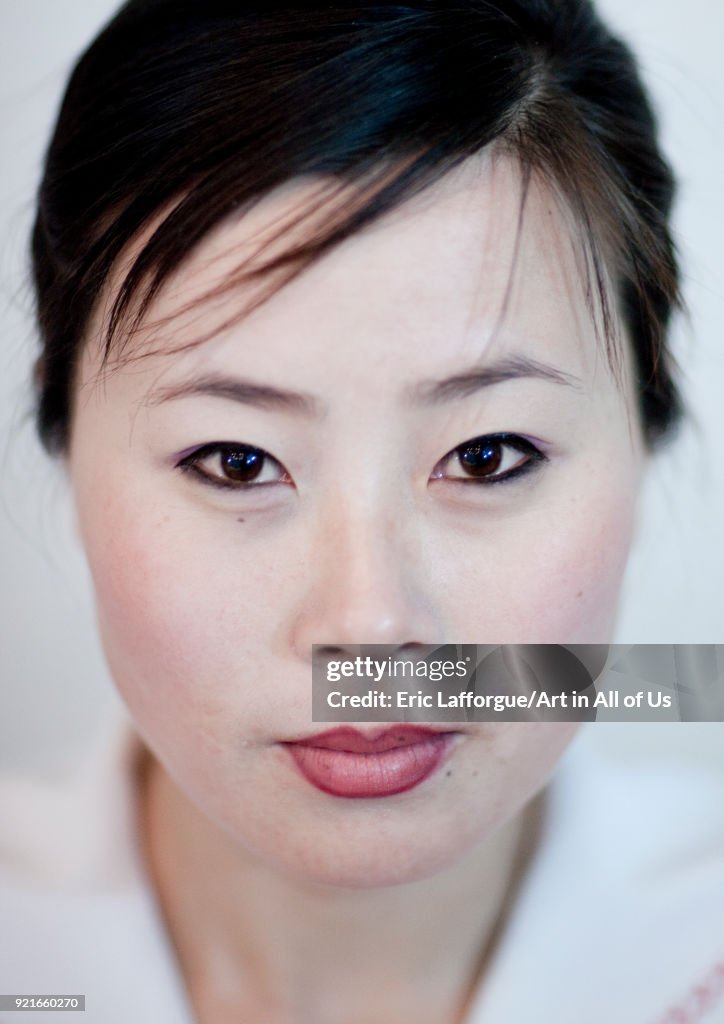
190,110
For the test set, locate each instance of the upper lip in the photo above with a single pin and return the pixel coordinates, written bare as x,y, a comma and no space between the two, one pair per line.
373,742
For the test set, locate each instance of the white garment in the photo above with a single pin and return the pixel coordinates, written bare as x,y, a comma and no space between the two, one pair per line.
620,919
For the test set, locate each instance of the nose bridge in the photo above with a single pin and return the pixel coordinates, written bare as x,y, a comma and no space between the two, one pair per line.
366,579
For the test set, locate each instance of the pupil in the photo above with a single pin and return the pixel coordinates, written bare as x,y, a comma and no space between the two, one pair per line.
481,459
242,465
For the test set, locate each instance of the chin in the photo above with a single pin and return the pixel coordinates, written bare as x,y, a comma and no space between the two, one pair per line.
386,864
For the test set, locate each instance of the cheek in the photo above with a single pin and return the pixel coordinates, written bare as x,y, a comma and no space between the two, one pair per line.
553,578
183,616
520,759
497,771
577,590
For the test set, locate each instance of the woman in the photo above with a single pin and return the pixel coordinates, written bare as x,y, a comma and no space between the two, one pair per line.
354,331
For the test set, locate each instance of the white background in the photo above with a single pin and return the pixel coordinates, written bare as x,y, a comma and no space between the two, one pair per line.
54,682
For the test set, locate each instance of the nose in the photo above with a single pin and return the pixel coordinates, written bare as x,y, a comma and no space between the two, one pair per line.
369,582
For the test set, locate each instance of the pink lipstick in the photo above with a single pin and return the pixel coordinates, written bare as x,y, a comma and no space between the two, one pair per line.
346,762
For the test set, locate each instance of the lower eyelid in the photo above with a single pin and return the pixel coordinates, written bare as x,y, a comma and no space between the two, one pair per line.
193,470
533,463
230,487
510,476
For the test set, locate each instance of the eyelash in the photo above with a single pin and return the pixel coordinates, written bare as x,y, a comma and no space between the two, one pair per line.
503,440
191,463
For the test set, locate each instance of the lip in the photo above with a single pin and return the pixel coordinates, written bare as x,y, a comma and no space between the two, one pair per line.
347,763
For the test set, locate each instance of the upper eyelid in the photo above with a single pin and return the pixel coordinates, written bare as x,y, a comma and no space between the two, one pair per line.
213,447
204,451
515,441
507,437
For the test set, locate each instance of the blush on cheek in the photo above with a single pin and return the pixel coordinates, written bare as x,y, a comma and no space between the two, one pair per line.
182,627
149,616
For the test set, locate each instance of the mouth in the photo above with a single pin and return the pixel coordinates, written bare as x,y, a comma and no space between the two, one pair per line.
345,762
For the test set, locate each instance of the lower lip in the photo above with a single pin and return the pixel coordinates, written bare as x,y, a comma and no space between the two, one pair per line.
352,775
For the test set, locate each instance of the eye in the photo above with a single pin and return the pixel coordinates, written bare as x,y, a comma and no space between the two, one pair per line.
490,459
234,466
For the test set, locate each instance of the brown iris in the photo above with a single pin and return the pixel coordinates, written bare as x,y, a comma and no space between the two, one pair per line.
481,459
241,464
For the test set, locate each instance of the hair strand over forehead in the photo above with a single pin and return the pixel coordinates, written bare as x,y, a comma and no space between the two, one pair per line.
201,110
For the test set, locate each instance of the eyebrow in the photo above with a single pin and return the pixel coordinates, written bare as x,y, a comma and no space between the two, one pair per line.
468,382
427,393
238,389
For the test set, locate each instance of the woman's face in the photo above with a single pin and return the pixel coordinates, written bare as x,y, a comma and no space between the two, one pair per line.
359,523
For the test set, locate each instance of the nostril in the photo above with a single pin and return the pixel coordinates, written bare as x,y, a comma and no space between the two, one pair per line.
412,649
333,651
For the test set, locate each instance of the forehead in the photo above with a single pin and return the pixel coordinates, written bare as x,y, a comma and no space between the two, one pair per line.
471,267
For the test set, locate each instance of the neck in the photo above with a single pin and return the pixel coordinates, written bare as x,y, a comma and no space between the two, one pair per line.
253,943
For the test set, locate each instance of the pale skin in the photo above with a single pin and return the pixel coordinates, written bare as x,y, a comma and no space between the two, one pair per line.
284,903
